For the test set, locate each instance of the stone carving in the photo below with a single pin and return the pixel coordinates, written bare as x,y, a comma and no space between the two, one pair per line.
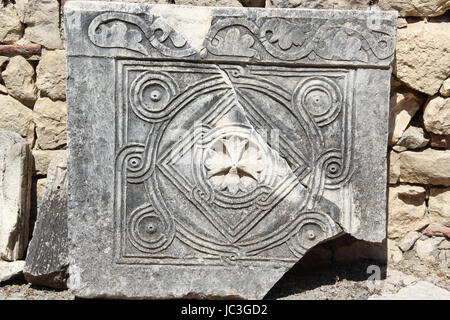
324,39
151,94
234,164
234,44
209,176
117,30
147,230
223,166
365,38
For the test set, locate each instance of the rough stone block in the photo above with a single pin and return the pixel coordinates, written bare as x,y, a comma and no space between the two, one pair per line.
42,159
47,255
422,55
210,148
10,270
405,104
425,167
42,20
436,116
439,206
445,89
10,27
427,248
50,119
15,195
440,141
16,117
394,167
408,241
417,8
51,75
406,210
394,254
12,49
19,80
437,230
413,138
421,290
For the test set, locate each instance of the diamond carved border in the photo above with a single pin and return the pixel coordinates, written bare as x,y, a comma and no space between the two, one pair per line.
287,150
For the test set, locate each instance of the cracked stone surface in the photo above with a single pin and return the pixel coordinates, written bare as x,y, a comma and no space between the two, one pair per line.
46,261
210,148
16,169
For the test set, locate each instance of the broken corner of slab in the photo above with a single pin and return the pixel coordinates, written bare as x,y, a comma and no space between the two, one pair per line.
217,158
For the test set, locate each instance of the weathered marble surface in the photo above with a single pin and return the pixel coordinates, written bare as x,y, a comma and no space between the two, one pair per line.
47,255
210,148
16,169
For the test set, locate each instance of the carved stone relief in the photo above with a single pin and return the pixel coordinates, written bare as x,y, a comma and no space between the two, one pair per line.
210,171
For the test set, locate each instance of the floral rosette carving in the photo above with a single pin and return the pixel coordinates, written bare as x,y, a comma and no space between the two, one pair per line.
234,164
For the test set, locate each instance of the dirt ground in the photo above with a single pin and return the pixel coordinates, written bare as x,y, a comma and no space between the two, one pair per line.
19,289
347,281
329,271
351,281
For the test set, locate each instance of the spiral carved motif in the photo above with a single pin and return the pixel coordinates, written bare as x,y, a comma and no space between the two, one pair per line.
322,98
312,229
148,231
150,94
333,167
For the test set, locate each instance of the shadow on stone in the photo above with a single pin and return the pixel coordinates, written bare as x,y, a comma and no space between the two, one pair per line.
19,280
34,205
46,261
342,258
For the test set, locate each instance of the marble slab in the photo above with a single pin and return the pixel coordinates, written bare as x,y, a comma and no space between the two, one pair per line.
210,148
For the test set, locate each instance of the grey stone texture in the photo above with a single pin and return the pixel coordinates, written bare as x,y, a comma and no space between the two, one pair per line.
413,138
210,148
16,169
47,256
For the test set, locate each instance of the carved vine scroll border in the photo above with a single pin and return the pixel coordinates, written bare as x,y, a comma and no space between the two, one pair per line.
311,40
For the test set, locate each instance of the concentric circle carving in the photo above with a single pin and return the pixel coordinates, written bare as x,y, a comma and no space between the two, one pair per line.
150,94
336,170
147,230
322,98
134,162
333,167
313,228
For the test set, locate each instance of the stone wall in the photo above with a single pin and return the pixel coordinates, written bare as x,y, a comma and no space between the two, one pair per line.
32,104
